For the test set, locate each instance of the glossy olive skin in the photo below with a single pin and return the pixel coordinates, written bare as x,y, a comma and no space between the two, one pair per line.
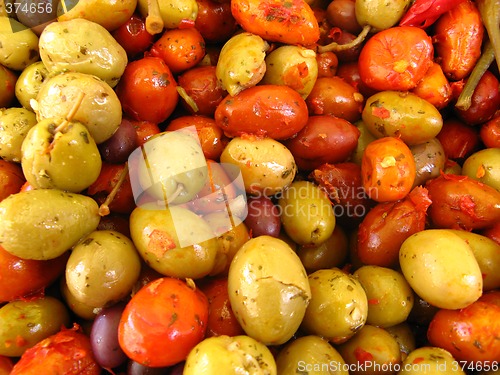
429,159
268,290
215,21
274,111
102,268
393,113
435,359
458,139
25,217
14,126
490,132
338,307
306,213
173,13
379,15
484,166
263,217
390,297
24,323
20,47
8,81
444,278
29,82
459,202
324,139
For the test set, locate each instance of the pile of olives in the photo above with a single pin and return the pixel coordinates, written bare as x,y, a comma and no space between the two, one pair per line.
205,187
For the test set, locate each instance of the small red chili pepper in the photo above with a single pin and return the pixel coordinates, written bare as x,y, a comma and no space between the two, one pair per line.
424,13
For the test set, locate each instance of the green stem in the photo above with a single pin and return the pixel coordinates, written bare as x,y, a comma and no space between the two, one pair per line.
482,65
490,14
335,47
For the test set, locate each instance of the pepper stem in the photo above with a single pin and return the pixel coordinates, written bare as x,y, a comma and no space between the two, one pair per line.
335,47
71,113
104,208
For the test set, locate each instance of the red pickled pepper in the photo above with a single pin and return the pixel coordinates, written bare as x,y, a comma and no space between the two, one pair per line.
424,13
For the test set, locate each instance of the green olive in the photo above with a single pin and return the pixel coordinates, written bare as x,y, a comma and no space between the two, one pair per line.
306,213
293,66
100,109
241,62
268,289
380,15
44,223
230,356
338,307
331,253
103,268
484,166
404,335
365,137
429,160
14,126
430,360
441,268
401,114
66,159
26,322
29,82
172,12
390,297
378,345
82,46
18,44
175,241
310,355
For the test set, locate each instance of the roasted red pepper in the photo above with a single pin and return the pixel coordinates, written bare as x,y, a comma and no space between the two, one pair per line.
424,13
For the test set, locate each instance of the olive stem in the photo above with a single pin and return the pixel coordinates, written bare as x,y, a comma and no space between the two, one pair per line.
71,113
104,208
177,192
335,47
154,22
465,98
490,14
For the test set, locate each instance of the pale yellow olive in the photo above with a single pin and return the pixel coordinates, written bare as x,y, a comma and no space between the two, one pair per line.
268,289
430,360
241,62
441,268
14,126
29,82
102,268
44,223
487,254
230,356
310,355
484,166
404,335
18,44
266,165
175,241
83,46
66,159
172,12
381,352
110,14
306,213
293,66
390,297
404,115
338,307
78,308
100,109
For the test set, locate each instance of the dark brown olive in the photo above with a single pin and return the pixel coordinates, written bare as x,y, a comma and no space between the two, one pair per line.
263,217
341,13
117,149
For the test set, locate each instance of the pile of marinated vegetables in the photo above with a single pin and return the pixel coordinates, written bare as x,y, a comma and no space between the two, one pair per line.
364,236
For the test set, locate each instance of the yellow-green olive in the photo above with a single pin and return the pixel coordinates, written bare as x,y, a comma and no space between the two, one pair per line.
293,66
241,62
172,12
78,308
365,137
310,355
268,289
338,307
100,109
306,213
230,356
44,223
266,165
487,254
26,322
102,268
18,44
430,360
66,159
14,126
404,335
175,241
82,46
380,352
380,15
390,297
484,166
429,160
401,114
441,268
29,82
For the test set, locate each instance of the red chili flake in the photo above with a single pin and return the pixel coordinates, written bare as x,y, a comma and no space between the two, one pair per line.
160,242
362,355
373,301
279,11
380,112
481,171
419,196
418,360
467,206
